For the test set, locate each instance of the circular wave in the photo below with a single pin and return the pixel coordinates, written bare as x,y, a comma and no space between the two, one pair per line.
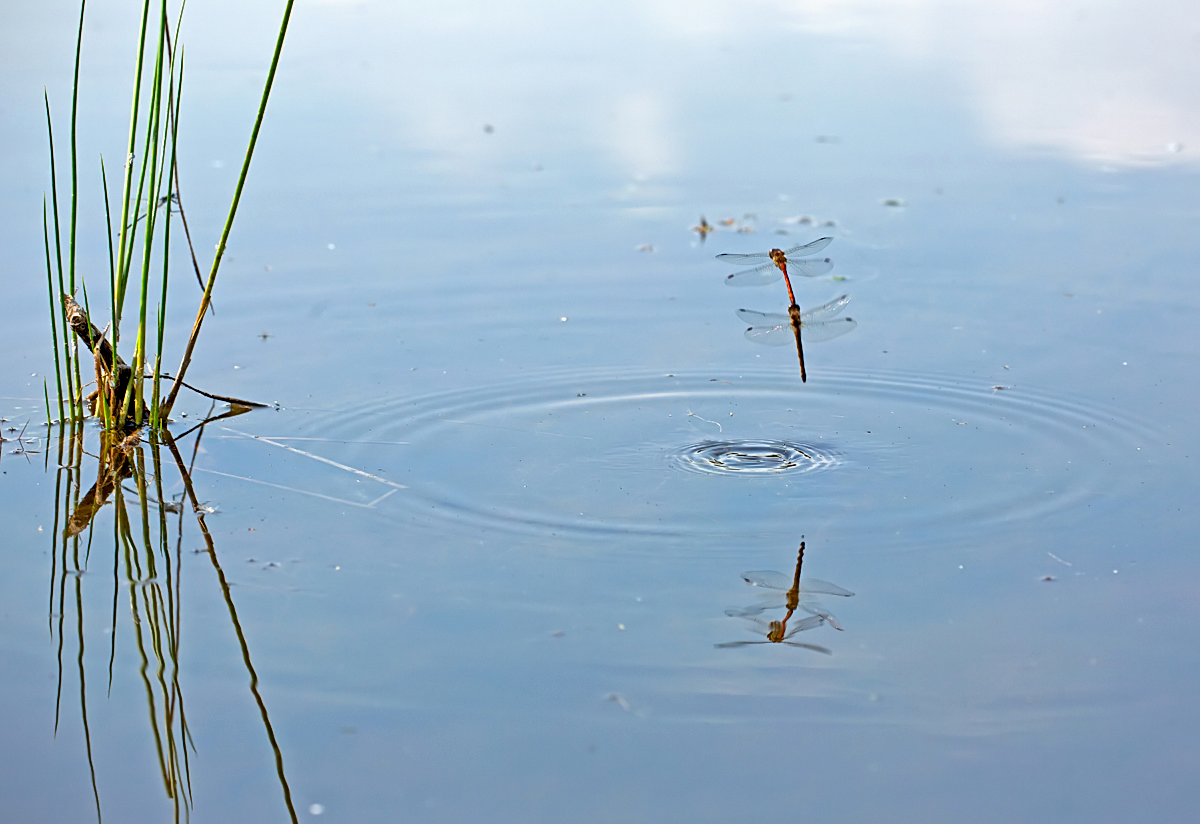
598,452
755,457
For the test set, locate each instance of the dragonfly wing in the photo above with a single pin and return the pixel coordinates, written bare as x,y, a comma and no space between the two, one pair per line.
827,329
732,644
813,647
760,626
808,248
817,586
811,622
763,318
769,328
758,276
771,601
772,336
825,310
810,268
752,611
743,260
820,615
767,578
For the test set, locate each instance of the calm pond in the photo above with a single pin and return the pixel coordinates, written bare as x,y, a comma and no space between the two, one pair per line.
519,530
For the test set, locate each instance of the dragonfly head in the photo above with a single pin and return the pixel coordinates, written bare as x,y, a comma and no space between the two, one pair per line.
778,257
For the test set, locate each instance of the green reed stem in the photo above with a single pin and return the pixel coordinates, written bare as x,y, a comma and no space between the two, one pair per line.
112,267
54,188
177,94
153,132
71,390
74,359
74,157
107,222
122,273
55,309
237,196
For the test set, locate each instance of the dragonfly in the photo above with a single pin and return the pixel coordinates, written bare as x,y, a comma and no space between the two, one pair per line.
791,589
778,632
796,594
770,266
819,324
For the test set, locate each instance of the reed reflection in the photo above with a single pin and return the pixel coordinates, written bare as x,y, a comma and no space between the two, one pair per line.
789,594
146,542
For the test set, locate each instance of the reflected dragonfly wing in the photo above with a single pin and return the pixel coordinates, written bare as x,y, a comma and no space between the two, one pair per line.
808,622
754,609
818,586
768,578
809,590
762,627
776,600
813,647
821,614
811,622
777,580
766,601
758,276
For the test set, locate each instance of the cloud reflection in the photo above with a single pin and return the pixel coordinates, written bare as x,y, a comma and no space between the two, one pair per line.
631,81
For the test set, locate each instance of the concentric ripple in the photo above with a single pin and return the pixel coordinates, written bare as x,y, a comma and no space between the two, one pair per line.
615,453
754,457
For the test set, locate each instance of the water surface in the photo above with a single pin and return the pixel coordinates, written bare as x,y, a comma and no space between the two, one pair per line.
476,560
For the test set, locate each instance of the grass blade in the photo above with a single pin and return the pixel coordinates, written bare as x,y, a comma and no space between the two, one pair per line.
55,308
124,238
237,196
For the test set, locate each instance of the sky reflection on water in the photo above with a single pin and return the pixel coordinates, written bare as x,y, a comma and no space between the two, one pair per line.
468,240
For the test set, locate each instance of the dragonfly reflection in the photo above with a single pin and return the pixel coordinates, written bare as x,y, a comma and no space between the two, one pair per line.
790,594
778,632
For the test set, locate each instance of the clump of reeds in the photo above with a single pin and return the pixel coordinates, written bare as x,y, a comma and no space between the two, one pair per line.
138,246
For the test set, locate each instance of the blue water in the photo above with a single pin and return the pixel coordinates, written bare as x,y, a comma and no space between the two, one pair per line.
478,550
